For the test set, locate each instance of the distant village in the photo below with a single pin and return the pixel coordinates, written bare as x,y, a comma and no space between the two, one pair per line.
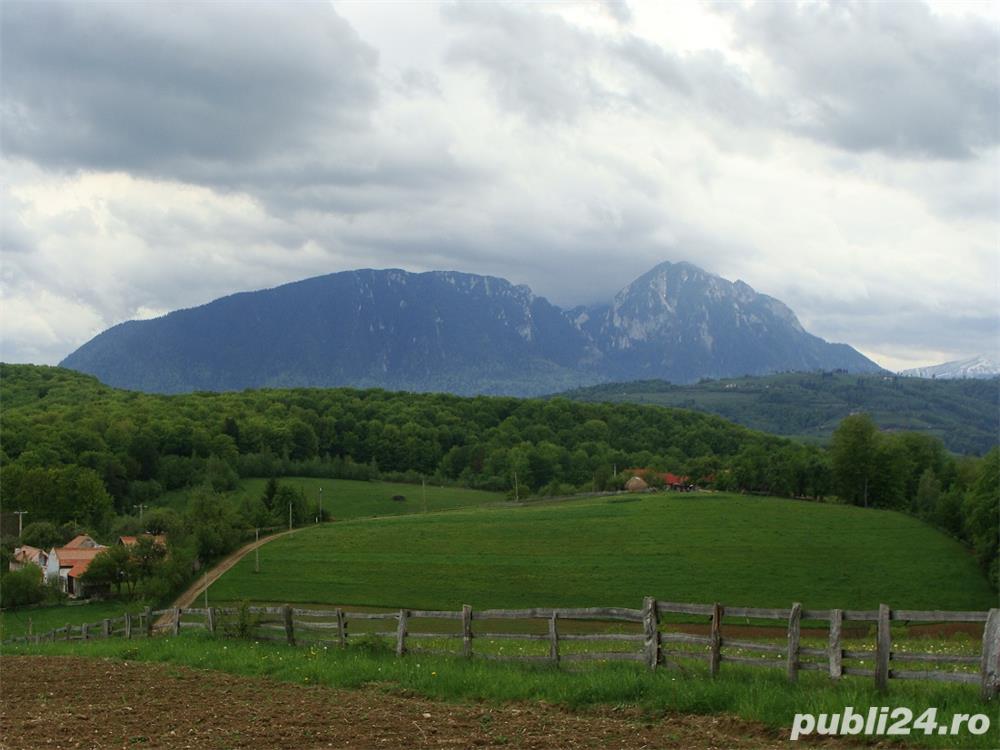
66,565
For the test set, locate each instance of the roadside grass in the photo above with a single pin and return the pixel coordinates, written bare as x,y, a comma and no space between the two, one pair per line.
347,499
741,551
14,622
763,696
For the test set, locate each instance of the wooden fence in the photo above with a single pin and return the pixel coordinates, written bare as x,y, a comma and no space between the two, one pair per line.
654,643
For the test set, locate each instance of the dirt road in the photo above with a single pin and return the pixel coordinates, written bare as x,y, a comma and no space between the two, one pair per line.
196,589
73,702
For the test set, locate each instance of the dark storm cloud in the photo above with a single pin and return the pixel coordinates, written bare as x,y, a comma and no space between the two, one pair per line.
181,90
889,77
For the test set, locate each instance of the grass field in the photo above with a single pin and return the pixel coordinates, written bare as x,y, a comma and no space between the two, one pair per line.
763,696
42,619
346,499
764,552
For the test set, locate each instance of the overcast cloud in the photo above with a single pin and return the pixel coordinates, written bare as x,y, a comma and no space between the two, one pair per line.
839,156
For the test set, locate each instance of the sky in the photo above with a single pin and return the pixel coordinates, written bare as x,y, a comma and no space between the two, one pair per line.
842,156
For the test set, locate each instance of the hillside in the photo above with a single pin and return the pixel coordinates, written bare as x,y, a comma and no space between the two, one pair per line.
962,413
974,367
698,548
459,333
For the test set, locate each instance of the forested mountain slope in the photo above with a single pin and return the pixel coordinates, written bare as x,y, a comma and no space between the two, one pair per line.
962,413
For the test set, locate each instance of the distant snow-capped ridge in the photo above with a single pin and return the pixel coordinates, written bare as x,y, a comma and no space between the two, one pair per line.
976,367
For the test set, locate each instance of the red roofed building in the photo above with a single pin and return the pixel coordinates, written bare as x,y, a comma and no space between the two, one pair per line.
28,555
66,565
671,481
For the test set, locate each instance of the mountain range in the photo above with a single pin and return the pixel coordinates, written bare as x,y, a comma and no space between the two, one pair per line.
976,367
461,333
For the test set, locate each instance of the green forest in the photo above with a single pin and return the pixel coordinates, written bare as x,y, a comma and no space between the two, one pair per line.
809,406
79,455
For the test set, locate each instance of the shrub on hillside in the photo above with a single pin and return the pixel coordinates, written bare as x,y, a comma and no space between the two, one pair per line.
21,587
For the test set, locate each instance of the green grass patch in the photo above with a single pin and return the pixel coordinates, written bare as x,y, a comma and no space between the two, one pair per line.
764,552
347,499
15,622
763,696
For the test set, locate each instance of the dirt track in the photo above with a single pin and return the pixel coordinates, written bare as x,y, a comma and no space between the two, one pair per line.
71,702
193,591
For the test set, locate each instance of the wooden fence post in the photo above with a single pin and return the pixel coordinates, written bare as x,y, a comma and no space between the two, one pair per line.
341,628
177,621
106,628
883,647
84,631
835,648
286,613
210,620
128,626
989,667
148,614
467,631
69,631
794,633
651,629
401,633
553,640
716,655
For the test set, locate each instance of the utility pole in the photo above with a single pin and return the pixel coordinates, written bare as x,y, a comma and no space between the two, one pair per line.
517,496
256,550
20,520
320,505
289,515
423,492
141,508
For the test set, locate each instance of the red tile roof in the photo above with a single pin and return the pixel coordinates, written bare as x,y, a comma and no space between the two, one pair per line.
82,541
26,553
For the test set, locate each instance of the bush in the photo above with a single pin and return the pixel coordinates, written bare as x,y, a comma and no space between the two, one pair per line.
24,586
244,625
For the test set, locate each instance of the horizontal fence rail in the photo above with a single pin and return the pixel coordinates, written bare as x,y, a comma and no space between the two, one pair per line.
652,642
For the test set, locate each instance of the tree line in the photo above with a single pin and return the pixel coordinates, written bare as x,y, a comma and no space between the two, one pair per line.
77,452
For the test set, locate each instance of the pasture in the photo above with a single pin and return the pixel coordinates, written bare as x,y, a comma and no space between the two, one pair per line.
753,551
15,622
346,499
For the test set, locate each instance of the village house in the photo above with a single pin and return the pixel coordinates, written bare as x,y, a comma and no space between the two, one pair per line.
68,563
28,555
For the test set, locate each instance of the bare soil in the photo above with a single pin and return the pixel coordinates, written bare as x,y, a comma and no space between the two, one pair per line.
74,702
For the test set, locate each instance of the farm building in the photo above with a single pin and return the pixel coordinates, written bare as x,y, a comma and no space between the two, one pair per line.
670,481
66,564
28,555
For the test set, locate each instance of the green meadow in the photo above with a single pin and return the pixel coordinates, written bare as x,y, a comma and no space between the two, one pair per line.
15,622
347,499
738,550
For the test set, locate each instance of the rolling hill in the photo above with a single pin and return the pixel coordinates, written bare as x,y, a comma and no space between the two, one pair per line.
613,551
963,413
